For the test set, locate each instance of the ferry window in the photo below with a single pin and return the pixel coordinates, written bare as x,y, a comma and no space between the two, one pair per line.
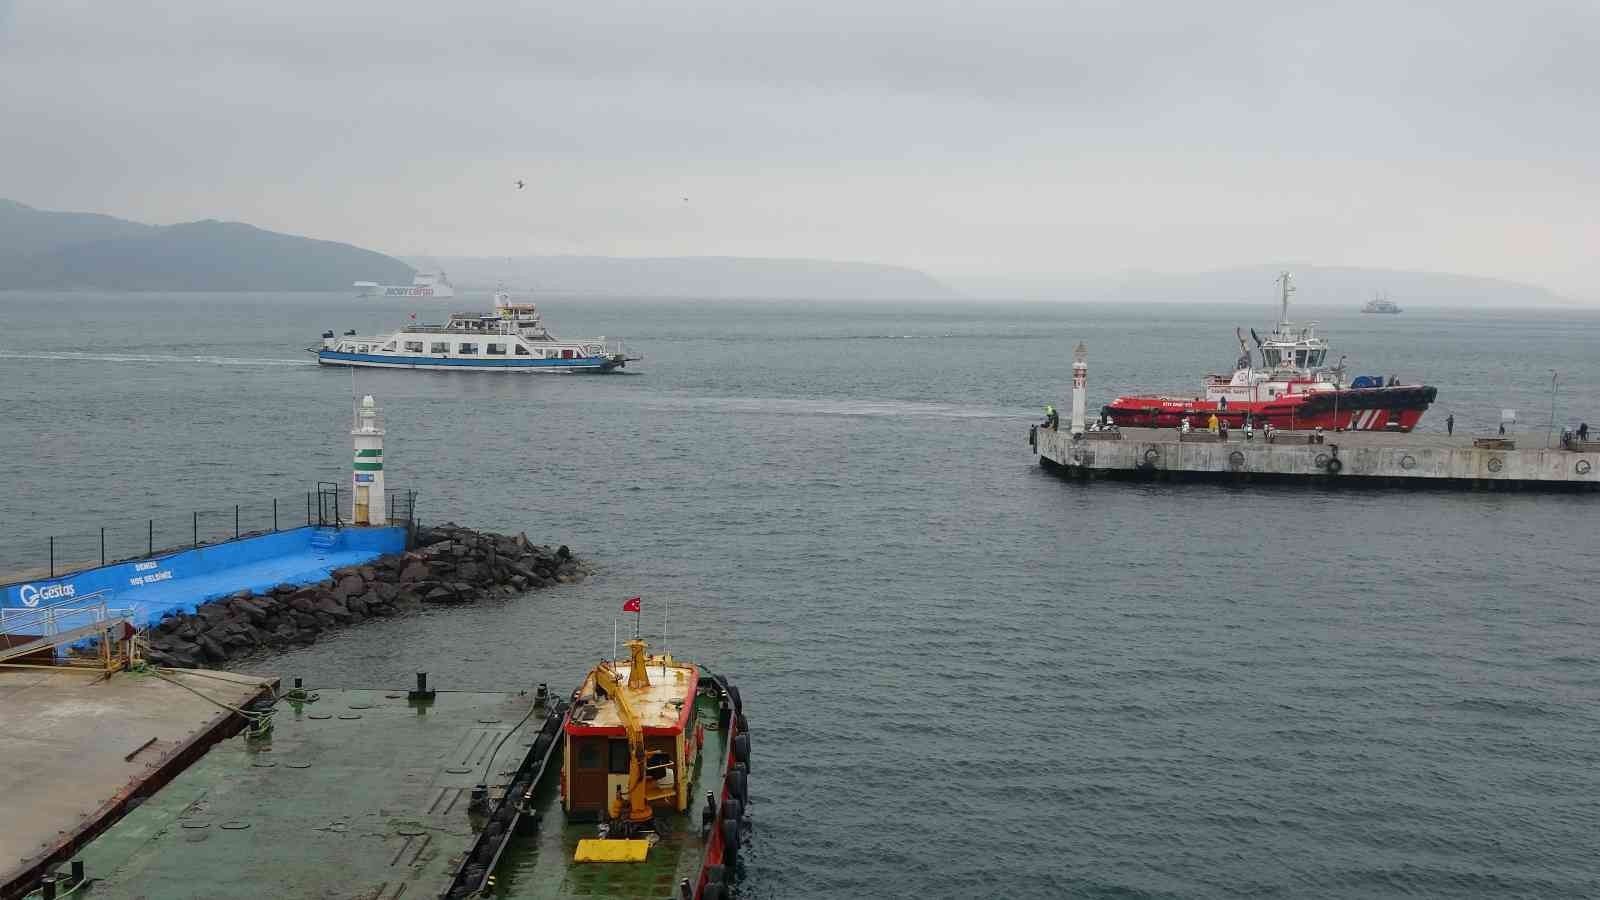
566,354
413,346
619,757
521,350
361,348
438,347
389,346
495,349
467,349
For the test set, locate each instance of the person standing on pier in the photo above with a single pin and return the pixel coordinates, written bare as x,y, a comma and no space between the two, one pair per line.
1450,424
1583,431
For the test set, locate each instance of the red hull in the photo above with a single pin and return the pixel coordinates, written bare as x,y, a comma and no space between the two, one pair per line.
1368,409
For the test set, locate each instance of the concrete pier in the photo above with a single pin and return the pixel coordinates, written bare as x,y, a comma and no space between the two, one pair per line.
1344,458
78,750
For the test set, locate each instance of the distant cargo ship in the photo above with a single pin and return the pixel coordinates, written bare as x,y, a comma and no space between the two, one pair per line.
1380,305
425,284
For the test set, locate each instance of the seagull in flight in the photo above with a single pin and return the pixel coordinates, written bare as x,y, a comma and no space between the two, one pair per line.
519,184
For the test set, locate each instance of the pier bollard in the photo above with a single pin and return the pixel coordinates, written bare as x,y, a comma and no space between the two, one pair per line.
47,887
77,872
298,692
422,693
480,798
685,890
541,696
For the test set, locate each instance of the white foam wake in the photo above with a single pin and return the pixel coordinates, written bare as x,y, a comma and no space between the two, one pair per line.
153,358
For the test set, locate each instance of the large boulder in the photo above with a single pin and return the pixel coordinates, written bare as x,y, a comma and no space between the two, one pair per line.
349,586
211,650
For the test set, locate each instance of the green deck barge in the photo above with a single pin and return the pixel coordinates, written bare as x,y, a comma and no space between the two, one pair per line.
366,794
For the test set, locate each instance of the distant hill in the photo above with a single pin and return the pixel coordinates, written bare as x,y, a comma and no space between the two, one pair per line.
1314,285
43,249
709,277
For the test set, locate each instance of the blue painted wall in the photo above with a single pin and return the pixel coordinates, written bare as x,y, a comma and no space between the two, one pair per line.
183,580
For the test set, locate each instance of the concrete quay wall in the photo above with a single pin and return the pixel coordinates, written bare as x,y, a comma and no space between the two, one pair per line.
1363,459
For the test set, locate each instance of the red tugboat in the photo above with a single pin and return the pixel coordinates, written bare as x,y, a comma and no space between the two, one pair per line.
1293,388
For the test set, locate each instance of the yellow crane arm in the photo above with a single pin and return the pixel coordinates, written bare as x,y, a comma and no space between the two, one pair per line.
609,681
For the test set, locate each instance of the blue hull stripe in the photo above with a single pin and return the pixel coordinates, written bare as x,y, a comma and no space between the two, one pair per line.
335,357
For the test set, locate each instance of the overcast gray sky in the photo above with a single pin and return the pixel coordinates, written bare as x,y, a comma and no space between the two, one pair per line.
961,138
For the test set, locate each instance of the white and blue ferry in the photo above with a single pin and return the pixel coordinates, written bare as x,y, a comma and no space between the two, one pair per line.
510,339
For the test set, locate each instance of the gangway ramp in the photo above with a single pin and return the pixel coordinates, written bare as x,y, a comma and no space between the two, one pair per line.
29,631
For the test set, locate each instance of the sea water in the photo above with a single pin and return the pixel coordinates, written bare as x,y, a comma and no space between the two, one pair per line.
965,678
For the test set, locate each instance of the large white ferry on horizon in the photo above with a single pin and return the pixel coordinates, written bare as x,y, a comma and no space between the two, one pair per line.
512,338
425,284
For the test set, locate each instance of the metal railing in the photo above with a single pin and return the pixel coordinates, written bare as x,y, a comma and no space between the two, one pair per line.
26,558
68,615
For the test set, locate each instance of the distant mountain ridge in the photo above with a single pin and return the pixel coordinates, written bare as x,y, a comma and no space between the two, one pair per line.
87,251
701,277
1317,285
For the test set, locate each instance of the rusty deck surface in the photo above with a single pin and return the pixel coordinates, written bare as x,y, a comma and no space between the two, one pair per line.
76,748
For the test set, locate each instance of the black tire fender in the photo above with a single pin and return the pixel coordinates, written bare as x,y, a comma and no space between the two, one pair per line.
733,697
1335,466
741,748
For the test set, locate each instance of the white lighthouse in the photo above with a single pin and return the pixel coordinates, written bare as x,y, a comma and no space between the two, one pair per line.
367,475
1080,386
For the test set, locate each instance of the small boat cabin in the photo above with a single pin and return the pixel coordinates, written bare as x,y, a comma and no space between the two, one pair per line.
601,730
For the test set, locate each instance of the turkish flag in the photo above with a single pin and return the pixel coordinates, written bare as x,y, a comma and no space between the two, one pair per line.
632,605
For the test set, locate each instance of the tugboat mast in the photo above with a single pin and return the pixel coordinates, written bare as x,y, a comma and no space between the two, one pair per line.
1287,289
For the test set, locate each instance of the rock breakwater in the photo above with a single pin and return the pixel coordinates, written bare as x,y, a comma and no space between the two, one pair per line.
449,565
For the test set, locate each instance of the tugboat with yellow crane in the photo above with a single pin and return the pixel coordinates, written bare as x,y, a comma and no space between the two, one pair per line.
641,739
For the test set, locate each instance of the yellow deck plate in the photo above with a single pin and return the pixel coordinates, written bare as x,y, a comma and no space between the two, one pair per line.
606,850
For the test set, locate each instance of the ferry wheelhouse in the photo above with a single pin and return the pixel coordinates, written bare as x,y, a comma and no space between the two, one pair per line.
512,338
1293,387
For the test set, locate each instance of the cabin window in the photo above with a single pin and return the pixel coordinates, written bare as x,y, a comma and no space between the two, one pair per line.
389,346
467,349
440,347
413,346
1271,357
619,757
495,349
588,754
521,350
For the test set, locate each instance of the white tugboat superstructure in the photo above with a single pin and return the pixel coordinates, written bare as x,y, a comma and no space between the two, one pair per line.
512,338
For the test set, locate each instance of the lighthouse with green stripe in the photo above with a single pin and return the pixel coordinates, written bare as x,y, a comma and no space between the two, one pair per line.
367,477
